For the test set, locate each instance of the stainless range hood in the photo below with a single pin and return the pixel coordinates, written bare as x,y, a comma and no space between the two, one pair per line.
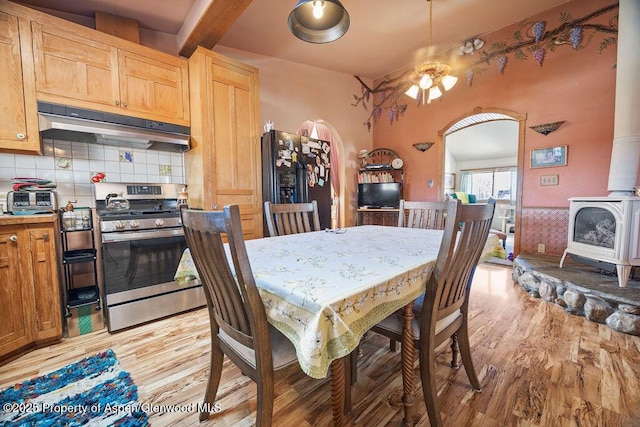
94,127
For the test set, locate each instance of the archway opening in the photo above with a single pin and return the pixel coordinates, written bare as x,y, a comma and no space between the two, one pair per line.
474,120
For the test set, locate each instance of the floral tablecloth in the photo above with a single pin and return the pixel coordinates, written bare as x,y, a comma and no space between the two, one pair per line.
325,289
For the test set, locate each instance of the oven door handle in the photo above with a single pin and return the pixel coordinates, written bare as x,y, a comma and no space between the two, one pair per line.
140,235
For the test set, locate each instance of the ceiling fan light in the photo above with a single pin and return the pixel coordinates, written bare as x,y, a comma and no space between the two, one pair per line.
332,24
461,50
478,43
425,81
413,91
449,81
434,93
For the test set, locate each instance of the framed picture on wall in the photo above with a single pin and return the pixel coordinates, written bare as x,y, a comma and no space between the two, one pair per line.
549,157
449,181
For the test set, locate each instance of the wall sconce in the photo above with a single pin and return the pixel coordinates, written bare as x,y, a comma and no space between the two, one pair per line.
547,128
318,21
470,46
423,146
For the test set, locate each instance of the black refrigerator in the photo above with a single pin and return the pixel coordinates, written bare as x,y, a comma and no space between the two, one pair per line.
296,169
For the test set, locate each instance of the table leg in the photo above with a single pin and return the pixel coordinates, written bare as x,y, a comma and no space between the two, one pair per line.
337,390
407,355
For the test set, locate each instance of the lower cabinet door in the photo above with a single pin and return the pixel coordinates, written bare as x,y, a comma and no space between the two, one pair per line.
14,324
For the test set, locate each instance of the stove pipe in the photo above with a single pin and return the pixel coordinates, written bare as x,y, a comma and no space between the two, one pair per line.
625,156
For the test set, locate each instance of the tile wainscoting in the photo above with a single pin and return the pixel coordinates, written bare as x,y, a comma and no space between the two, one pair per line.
71,164
544,225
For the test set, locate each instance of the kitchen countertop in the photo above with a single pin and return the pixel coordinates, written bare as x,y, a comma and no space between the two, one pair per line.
8,219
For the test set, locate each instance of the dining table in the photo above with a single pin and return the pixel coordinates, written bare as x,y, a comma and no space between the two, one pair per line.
325,289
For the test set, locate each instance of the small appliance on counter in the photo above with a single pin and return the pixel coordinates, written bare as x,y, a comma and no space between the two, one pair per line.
31,202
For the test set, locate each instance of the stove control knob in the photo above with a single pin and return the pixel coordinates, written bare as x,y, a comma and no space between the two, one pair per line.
134,224
159,222
120,225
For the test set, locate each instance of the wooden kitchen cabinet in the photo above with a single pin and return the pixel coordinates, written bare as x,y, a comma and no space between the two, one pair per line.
84,68
223,165
30,294
18,121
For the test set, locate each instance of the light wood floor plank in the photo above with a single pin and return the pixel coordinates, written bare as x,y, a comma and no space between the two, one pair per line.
538,366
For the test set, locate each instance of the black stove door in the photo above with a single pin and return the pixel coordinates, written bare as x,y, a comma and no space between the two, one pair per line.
135,264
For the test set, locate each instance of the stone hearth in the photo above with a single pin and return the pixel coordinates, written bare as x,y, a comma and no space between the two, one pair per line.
581,290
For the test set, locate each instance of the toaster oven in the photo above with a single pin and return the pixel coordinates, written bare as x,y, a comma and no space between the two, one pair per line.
31,202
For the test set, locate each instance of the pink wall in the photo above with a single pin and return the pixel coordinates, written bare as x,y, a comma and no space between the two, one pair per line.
576,86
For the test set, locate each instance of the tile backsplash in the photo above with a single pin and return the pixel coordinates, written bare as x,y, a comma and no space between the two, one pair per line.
70,165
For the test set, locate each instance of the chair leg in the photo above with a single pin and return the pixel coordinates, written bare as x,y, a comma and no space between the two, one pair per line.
392,344
265,397
455,351
215,372
429,390
465,353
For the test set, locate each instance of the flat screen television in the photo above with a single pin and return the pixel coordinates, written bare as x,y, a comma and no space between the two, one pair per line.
379,195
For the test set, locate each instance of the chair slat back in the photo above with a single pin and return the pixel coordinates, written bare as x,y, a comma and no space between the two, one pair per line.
429,215
232,297
291,218
464,238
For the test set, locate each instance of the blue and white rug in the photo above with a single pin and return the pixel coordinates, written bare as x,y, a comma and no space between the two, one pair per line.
92,392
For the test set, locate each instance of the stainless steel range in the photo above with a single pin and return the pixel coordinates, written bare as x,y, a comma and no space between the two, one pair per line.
142,242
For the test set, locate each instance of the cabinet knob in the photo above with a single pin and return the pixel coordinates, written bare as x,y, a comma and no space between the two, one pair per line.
118,103
124,104
45,236
214,206
13,238
21,136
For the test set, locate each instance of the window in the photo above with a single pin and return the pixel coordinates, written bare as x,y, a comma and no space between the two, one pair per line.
497,183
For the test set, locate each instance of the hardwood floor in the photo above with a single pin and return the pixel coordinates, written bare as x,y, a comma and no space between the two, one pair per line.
537,365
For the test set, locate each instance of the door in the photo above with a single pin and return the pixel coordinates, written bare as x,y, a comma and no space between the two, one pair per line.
233,99
46,283
155,88
71,66
14,293
316,177
18,122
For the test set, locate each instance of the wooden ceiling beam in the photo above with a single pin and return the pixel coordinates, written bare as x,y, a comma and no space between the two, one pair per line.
218,17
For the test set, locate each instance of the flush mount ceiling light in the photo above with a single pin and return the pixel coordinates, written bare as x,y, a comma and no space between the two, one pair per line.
430,80
318,21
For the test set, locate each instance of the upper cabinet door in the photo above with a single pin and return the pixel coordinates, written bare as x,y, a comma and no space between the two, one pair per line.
70,66
159,88
96,72
18,122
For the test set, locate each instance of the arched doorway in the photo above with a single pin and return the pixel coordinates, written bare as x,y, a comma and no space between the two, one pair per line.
323,130
485,115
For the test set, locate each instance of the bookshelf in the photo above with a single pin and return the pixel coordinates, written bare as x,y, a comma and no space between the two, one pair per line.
381,165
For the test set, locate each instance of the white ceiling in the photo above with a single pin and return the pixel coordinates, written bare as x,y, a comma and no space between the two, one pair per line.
485,141
384,36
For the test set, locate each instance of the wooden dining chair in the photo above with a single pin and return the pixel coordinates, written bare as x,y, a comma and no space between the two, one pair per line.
291,218
429,215
239,327
442,313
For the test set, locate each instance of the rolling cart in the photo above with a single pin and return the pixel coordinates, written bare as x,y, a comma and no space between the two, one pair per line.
80,221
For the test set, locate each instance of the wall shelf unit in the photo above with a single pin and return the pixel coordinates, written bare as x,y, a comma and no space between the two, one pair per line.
381,165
